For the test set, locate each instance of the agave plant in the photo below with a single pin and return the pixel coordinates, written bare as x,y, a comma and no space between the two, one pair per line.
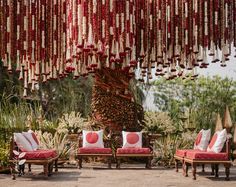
58,141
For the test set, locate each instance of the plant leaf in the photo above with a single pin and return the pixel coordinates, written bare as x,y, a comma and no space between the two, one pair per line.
16,152
22,155
21,162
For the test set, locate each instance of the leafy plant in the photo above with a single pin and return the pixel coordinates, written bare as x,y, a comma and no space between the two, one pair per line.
47,125
165,148
19,161
158,122
202,99
4,156
173,136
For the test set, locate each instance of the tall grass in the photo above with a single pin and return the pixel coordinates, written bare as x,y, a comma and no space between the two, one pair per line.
14,115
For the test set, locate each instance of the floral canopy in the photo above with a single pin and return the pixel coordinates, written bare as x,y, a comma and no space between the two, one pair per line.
48,39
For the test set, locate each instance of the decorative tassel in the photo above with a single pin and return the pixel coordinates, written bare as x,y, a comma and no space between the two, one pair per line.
212,50
117,56
25,92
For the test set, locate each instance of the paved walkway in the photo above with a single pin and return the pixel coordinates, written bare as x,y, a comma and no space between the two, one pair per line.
127,176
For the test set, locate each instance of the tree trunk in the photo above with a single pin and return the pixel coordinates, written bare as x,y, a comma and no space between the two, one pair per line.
113,106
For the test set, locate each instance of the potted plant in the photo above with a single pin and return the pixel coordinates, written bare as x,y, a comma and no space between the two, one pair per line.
72,121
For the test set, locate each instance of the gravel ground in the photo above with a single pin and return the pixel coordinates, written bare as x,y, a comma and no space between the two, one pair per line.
94,175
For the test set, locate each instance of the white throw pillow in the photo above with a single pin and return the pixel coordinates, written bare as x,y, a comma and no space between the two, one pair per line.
93,139
202,140
132,139
22,143
30,138
217,142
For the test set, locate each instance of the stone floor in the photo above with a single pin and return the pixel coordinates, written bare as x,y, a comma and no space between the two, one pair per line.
93,175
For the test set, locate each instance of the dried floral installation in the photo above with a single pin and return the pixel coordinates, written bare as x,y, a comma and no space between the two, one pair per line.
47,39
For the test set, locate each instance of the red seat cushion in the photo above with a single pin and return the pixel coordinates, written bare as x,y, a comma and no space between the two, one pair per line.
133,151
92,150
40,154
183,152
203,155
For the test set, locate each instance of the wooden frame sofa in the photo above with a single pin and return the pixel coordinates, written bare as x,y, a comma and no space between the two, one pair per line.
195,158
47,158
105,152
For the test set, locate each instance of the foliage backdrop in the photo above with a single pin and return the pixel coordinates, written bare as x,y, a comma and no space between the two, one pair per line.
196,102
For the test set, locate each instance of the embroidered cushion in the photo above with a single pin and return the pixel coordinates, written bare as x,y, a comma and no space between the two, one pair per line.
202,140
40,154
132,139
133,151
217,142
93,139
183,152
203,155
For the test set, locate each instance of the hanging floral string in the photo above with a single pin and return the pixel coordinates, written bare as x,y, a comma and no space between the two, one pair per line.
49,39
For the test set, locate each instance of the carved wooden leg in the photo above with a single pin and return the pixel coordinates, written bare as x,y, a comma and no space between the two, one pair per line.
118,163
216,170
194,171
185,169
227,171
29,167
56,166
45,168
50,169
12,168
150,162
176,165
109,162
80,162
203,168
212,169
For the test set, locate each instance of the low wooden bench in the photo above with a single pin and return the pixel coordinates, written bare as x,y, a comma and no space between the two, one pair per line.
94,152
224,159
146,152
46,162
